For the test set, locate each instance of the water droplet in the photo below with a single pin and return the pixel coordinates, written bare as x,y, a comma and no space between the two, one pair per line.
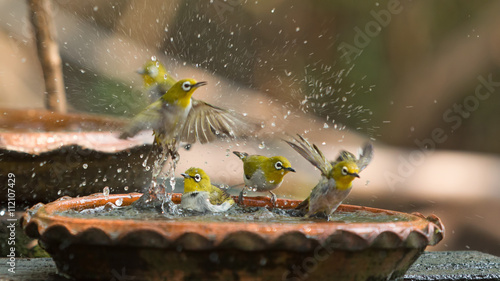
59,192
85,166
153,58
344,99
82,71
262,145
325,126
297,29
105,191
119,170
272,10
119,202
125,188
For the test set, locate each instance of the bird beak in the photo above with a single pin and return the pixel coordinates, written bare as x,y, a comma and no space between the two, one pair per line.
186,176
355,175
199,84
141,71
290,169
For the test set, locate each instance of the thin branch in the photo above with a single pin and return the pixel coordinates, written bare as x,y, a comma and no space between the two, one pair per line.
48,53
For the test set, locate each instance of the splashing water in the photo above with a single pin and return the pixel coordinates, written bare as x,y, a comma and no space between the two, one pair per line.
159,193
169,207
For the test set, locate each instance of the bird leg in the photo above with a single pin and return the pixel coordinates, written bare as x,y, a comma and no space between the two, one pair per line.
273,199
240,198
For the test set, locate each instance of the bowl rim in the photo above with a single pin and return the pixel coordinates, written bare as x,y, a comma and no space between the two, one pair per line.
419,231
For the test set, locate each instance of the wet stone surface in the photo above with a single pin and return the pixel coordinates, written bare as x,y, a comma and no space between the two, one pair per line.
459,265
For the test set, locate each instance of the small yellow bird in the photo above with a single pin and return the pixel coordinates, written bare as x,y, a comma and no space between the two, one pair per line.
336,177
156,79
200,195
263,173
175,117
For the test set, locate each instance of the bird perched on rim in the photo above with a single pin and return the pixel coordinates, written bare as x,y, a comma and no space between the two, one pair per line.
200,195
263,173
336,177
156,79
176,117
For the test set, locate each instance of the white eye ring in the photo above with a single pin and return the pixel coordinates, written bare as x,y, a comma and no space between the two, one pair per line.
186,86
278,165
345,171
197,177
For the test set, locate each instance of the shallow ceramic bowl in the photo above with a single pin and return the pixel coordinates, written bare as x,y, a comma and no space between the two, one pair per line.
103,249
51,155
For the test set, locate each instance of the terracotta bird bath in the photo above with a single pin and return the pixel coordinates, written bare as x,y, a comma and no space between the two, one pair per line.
52,155
100,248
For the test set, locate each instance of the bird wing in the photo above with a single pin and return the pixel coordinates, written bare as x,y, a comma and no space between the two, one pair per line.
206,123
304,205
145,120
312,153
218,195
365,156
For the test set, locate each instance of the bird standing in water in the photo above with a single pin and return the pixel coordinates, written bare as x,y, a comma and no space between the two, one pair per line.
336,177
263,173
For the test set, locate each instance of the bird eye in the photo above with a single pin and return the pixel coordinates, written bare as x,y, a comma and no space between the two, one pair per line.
278,165
345,171
186,86
197,177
